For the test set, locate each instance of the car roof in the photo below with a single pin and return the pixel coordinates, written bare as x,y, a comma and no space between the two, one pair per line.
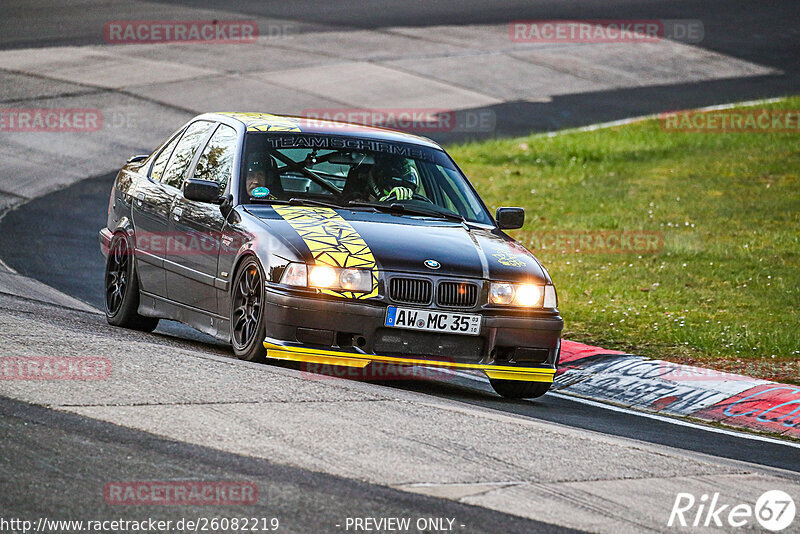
267,122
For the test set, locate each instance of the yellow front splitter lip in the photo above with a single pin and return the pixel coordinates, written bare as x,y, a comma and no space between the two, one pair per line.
350,359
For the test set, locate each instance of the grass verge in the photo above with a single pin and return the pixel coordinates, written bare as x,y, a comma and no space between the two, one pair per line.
721,289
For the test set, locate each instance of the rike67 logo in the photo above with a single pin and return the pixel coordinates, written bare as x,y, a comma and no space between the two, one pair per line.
774,511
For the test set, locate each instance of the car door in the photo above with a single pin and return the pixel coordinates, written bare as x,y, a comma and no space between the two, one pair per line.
199,226
150,208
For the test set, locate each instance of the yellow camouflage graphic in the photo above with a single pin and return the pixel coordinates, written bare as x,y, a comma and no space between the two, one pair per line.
333,242
265,122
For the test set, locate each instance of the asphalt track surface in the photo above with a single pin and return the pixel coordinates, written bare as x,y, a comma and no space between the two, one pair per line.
762,33
35,239
44,445
765,33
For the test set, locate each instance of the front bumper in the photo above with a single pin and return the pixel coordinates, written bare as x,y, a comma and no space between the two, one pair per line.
352,334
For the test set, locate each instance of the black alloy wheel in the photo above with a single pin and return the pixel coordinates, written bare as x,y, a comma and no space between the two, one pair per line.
247,312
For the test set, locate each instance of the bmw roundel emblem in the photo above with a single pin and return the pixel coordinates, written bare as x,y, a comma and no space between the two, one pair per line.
432,264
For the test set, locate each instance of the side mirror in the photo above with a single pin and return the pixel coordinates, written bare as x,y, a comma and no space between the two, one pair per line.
226,205
138,158
201,190
510,218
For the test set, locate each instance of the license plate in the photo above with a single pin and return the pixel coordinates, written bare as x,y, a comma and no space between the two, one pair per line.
433,321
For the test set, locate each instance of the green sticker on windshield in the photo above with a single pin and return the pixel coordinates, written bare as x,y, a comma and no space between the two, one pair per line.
260,192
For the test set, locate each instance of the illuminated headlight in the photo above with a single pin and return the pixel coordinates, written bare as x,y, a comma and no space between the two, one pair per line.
525,295
325,277
322,276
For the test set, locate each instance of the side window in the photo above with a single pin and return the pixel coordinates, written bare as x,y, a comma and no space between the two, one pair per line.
184,152
216,161
161,160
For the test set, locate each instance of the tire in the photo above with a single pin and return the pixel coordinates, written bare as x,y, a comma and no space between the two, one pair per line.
248,328
519,389
122,289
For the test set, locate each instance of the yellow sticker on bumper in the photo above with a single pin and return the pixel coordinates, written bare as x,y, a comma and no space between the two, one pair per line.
350,359
332,242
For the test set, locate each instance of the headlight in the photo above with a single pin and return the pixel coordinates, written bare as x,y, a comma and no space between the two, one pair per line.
356,280
296,274
501,293
525,295
325,277
322,276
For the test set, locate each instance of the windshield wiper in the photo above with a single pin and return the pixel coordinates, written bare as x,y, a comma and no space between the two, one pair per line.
268,200
311,202
402,208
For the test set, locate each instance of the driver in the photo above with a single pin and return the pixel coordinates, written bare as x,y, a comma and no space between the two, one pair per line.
393,176
256,171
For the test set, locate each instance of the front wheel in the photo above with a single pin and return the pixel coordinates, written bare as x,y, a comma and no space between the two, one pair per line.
122,289
519,389
247,312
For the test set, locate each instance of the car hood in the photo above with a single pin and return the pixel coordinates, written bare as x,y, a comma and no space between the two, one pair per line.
402,243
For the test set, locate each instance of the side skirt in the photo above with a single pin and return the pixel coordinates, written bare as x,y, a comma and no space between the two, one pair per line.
209,323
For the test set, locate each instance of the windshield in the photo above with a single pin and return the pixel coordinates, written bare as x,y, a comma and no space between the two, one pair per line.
346,171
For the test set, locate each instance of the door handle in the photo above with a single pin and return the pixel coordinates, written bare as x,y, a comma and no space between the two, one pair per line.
140,198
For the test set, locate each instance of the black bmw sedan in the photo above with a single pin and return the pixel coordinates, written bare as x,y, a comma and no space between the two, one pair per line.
330,243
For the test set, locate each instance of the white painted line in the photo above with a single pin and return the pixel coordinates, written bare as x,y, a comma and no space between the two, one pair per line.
7,267
622,122
674,421
662,418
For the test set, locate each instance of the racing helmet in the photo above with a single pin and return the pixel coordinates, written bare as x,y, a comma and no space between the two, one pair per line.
393,171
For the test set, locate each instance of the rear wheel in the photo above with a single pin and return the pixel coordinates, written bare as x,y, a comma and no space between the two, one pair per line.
122,289
247,312
519,389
